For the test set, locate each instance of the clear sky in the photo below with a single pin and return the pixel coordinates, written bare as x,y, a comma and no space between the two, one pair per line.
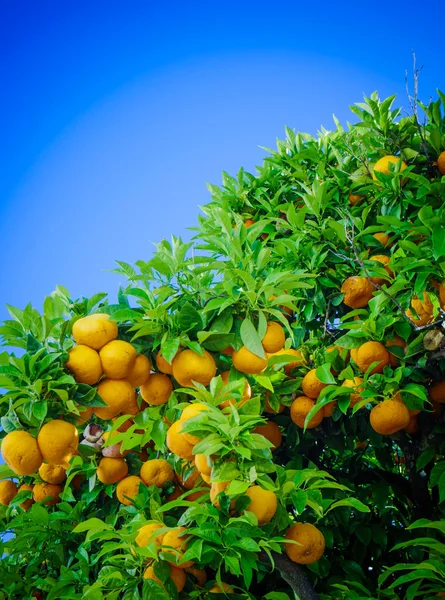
115,115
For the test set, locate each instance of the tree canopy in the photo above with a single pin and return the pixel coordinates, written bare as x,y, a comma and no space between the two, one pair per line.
260,412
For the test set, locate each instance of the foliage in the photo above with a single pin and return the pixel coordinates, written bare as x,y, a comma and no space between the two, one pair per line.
313,209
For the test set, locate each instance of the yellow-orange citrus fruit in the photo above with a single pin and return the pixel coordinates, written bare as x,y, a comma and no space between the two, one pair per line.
26,504
311,385
149,533
412,411
41,491
382,165
268,407
354,198
423,309
221,588
175,542
246,393
357,291
395,341
178,491
203,464
85,413
300,409
382,237
371,352
157,390
177,575
112,470
199,574
354,353
95,330
117,358
356,385
263,503
437,392
163,365
58,442
189,366
192,478
127,489
384,260
157,472
21,452
290,366
85,365
310,546
52,473
117,394
271,432
247,362
177,443
441,167
389,416
328,409
140,372
248,223
188,413
215,491
274,339
413,425
8,491
228,351
195,496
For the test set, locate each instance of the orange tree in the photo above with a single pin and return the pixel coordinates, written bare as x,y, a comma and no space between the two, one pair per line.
260,414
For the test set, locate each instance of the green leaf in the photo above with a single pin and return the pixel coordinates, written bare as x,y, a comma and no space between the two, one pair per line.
324,374
251,339
93,524
438,239
426,457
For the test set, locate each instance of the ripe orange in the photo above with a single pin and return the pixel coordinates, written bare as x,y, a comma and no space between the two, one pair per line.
395,341
300,409
177,443
246,393
382,237
127,489
42,491
389,416
112,470
85,365
8,491
247,362
274,339
354,198
271,432
188,366
263,503
95,330
423,309
175,543
441,167
21,452
221,588
311,385
370,352
140,372
118,394
356,385
310,546
118,359
188,413
382,165
157,472
157,389
357,291
177,575
148,533
163,365
437,392
384,260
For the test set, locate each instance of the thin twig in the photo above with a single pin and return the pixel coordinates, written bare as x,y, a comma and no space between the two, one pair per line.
413,101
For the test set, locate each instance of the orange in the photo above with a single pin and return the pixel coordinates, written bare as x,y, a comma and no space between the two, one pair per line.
95,330
221,588
271,432
199,574
384,260
357,291
203,464
26,504
300,409
248,223
52,473
112,470
148,533
310,546
381,237
85,413
274,339
188,366
290,366
437,392
246,393
177,575
395,341
127,489
8,491
371,352
354,198
21,452
328,409
157,390
311,385
356,384
164,366
175,542
268,408
85,365
247,362
192,477
157,472
58,442
263,503
382,165
117,394
140,372
41,491
423,309
216,489
389,416
118,359
441,167
413,425
190,412
177,443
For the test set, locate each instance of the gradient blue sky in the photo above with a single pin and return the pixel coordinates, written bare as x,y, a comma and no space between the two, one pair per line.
114,115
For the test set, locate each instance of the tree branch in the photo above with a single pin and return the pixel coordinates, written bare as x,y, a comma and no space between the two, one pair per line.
292,574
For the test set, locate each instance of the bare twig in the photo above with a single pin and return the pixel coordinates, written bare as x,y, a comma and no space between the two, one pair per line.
413,101
293,574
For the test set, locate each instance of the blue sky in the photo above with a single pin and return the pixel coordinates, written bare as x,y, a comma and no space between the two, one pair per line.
116,115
